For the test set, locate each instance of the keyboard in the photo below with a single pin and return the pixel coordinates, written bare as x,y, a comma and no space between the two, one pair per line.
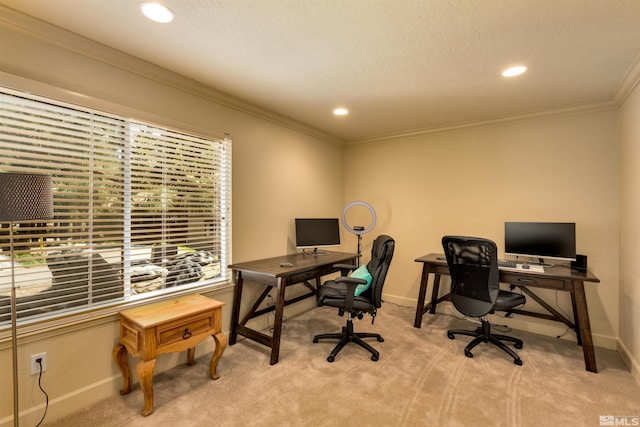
506,263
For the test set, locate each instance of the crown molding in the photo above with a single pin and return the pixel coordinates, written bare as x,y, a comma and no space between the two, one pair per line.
498,121
80,45
629,83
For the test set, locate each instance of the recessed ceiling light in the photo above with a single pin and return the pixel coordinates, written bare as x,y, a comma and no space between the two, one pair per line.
514,71
157,12
341,111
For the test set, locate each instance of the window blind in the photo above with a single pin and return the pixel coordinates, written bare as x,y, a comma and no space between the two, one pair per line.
138,209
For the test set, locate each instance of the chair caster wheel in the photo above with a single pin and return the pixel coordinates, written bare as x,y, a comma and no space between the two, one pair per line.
374,358
451,336
468,354
330,359
315,340
518,362
380,339
518,345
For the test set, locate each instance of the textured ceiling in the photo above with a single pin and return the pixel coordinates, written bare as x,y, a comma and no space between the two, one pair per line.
400,66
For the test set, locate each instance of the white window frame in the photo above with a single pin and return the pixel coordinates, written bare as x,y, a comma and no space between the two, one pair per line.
217,187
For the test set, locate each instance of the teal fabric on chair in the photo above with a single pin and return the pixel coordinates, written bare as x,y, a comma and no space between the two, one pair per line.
362,273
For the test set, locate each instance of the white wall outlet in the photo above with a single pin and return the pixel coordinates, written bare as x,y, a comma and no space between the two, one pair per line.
35,366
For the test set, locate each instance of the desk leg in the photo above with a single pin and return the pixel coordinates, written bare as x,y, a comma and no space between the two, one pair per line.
421,296
277,322
221,344
576,326
434,294
318,284
584,327
120,356
235,314
145,375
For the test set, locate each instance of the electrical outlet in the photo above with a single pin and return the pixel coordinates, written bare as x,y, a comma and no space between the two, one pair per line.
35,366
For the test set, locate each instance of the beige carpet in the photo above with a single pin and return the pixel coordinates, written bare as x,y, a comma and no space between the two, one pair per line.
422,378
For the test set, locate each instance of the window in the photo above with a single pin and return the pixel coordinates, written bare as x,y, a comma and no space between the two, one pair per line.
139,210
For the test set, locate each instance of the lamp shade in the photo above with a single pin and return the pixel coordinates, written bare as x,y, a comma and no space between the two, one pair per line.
25,196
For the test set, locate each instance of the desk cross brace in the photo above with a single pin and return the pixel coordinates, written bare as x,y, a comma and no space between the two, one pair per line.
254,312
555,314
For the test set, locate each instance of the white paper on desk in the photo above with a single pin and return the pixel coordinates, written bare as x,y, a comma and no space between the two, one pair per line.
531,267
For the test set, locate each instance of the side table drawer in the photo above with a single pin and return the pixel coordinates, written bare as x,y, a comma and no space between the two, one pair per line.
183,329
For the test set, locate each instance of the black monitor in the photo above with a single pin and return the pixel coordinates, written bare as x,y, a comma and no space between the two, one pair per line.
317,232
541,239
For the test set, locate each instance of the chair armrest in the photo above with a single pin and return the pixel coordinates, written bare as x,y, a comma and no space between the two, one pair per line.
344,268
349,280
351,284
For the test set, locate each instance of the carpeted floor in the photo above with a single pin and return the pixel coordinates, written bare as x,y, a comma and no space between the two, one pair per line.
422,378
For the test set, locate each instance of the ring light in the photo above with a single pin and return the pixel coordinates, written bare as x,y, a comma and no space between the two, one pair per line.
351,229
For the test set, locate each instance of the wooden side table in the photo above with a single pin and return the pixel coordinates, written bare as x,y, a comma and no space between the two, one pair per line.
164,327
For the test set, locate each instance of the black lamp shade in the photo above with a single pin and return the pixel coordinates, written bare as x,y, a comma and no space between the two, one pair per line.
25,196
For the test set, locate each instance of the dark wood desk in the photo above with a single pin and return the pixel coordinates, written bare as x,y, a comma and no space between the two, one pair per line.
304,268
560,278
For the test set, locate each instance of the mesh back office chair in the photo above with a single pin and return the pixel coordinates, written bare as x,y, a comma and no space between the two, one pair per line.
475,289
340,293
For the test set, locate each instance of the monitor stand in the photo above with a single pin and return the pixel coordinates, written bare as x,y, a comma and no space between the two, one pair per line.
315,251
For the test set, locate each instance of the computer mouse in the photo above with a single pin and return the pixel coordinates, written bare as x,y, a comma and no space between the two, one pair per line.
525,266
286,264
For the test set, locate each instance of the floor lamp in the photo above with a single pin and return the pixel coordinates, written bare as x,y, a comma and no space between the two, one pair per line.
23,197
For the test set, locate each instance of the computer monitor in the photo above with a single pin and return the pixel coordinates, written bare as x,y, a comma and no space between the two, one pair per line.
555,240
317,232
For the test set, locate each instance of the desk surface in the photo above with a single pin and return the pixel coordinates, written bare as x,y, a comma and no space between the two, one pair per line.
558,271
300,262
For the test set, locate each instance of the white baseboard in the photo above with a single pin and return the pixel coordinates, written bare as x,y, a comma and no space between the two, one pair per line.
627,357
66,404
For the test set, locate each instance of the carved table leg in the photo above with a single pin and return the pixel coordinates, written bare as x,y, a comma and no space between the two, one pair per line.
191,356
120,356
221,344
145,375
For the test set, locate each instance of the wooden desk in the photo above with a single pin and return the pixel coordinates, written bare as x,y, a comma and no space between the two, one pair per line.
163,327
305,267
560,278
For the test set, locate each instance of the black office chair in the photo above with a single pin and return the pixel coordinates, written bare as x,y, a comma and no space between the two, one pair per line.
475,289
340,293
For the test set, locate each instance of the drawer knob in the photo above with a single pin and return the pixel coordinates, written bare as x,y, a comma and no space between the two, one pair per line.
186,334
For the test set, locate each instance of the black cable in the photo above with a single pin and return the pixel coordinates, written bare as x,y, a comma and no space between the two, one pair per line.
45,393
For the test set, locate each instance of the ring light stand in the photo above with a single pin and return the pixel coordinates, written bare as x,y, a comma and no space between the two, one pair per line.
358,230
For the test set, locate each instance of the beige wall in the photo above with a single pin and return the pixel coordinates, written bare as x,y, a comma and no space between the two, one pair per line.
470,182
279,172
561,169
629,295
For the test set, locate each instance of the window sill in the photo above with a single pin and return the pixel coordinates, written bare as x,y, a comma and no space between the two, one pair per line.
88,318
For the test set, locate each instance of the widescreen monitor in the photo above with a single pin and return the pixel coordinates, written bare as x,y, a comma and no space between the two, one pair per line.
555,240
317,232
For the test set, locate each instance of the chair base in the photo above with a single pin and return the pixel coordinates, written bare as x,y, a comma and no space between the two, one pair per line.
346,336
483,334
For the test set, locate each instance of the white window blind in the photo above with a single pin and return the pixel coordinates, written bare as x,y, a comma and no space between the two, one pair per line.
138,209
